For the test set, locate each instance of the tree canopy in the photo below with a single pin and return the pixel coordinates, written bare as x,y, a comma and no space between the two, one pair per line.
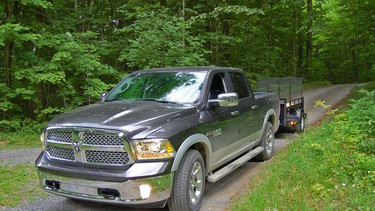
57,55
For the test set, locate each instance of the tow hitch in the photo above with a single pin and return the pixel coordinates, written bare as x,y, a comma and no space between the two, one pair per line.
108,193
54,185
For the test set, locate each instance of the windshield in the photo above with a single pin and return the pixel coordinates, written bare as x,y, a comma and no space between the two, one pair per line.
171,87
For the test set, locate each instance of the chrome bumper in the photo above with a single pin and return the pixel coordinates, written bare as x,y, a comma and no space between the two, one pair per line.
155,190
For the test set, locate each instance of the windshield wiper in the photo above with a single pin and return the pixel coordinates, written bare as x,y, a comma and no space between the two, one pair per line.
156,100
111,100
165,101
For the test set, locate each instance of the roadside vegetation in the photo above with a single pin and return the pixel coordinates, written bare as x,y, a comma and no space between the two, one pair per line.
18,184
24,138
316,84
330,167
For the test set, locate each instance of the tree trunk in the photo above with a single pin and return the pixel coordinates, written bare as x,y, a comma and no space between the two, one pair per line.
355,62
91,5
226,32
300,54
8,48
294,42
309,45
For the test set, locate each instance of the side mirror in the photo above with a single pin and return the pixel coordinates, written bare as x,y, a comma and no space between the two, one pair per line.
224,100
102,96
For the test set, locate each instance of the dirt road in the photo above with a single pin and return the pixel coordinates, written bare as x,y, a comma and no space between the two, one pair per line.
217,195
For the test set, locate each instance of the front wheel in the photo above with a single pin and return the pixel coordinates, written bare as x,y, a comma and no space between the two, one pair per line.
188,183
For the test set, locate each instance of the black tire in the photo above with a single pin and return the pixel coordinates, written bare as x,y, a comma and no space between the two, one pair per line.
300,128
188,183
268,140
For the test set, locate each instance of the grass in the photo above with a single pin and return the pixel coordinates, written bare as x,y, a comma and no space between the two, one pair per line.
20,140
331,167
18,184
20,134
304,177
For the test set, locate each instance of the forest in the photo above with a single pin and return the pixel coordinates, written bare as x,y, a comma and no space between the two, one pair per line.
61,54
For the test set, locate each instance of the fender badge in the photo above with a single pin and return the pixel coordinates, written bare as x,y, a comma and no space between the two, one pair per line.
214,133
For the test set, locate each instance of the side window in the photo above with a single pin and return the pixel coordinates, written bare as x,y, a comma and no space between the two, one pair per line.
239,84
217,86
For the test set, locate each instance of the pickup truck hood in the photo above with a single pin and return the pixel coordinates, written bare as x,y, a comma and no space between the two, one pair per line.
137,119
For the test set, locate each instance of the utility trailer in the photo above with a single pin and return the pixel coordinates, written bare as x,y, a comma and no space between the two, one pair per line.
292,112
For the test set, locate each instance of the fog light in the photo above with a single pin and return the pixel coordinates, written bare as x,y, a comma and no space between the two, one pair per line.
145,191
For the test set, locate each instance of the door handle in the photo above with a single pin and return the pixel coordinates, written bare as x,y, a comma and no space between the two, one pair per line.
254,107
235,113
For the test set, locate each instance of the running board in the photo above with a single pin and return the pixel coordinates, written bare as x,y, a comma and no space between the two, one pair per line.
234,165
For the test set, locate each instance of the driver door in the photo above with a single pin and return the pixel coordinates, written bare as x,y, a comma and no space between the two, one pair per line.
224,129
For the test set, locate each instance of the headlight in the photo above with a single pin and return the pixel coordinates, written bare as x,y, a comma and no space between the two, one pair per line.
43,140
153,149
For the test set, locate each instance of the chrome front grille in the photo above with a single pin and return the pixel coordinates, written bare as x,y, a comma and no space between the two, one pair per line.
60,136
60,152
102,139
88,146
104,157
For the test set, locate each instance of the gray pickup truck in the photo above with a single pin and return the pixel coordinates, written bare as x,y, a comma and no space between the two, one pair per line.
157,137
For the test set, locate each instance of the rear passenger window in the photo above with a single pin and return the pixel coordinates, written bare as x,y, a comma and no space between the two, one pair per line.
239,84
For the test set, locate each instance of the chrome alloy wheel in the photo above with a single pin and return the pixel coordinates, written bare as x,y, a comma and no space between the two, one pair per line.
196,183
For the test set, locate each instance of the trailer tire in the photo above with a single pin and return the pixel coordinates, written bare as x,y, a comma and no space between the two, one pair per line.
188,184
300,128
268,140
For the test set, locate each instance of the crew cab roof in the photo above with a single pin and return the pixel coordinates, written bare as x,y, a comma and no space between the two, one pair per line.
187,69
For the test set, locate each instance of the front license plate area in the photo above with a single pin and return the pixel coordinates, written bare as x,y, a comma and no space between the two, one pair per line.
78,189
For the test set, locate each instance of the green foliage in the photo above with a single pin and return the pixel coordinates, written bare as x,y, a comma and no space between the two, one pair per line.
327,168
344,40
37,3
57,55
316,84
159,39
362,117
27,135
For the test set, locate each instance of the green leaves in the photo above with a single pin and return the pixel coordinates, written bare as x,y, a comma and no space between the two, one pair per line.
236,9
345,41
362,114
37,3
17,33
159,39
59,54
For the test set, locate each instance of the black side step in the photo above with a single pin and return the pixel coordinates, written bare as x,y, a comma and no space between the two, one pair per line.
234,165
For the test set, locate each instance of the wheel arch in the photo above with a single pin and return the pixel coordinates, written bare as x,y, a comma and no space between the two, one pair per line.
271,117
198,142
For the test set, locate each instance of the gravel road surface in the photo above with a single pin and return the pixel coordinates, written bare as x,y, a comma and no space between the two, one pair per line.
19,156
217,195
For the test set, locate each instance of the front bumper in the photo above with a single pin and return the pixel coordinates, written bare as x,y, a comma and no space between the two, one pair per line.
141,185
147,192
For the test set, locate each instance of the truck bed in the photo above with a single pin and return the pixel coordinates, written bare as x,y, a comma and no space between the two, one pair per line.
260,95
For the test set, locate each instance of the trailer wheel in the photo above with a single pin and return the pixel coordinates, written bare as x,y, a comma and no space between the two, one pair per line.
267,142
188,183
300,128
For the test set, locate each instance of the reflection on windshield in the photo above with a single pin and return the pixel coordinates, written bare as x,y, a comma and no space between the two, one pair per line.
174,87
